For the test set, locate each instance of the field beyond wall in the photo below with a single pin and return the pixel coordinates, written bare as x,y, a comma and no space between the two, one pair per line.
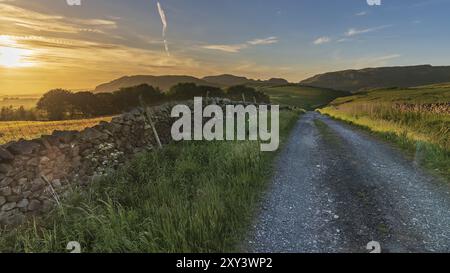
15,130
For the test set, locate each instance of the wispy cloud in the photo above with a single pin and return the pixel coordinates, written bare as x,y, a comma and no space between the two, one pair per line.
235,48
355,31
162,14
322,40
266,41
386,58
72,51
227,48
23,20
362,13
373,61
341,40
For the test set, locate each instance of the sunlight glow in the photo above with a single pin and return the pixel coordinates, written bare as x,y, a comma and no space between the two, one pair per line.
11,56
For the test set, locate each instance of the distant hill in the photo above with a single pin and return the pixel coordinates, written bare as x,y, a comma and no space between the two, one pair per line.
382,77
230,80
226,80
162,82
166,82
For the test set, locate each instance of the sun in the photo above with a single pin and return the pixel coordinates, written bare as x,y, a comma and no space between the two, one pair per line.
11,56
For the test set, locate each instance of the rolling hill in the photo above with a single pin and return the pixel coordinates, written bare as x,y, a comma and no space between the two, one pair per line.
308,98
382,77
230,80
162,82
166,82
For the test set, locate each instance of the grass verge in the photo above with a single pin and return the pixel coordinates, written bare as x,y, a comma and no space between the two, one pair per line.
188,197
429,155
416,119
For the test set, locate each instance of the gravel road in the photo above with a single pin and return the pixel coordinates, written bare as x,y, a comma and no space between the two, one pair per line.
336,188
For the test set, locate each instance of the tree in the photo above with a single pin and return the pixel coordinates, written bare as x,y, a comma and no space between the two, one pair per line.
56,103
235,93
187,91
85,103
127,98
105,104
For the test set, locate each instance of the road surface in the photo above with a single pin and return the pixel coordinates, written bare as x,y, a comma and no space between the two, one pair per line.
336,188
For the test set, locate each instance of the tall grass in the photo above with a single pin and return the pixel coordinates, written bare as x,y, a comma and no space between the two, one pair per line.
385,117
187,197
424,132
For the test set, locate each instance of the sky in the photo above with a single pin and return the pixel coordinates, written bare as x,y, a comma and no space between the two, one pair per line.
47,44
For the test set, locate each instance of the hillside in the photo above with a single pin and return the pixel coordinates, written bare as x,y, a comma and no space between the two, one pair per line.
308,98
436,93
382,77
166,82
226,80
230,80
162,82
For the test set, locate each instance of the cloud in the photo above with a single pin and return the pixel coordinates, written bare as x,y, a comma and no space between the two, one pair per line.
385,58
373,61
162,14
235,48
226,48
362,13
67,49
266,41
76,63
22,20
341,40
322,40
355,31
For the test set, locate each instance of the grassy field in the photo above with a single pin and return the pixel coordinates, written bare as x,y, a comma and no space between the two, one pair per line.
27,101
188,197
416,118
308,98
15,130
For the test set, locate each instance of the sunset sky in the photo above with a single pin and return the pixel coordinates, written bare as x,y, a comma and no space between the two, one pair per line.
46,44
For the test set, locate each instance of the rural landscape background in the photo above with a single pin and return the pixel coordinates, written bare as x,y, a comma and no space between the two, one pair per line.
359,74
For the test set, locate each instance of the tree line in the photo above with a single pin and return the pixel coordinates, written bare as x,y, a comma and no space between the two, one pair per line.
60,104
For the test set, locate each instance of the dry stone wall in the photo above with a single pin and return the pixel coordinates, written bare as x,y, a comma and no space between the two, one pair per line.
35,174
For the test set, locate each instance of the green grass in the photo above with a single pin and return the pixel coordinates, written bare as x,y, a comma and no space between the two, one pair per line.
308,98
187,197
425,132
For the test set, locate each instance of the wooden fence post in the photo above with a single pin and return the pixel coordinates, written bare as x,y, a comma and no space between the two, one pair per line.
150,120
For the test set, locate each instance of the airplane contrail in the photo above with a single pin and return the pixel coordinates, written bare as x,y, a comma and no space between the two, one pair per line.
162,14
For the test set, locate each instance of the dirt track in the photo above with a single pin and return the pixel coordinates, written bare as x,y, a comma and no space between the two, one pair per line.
337,188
